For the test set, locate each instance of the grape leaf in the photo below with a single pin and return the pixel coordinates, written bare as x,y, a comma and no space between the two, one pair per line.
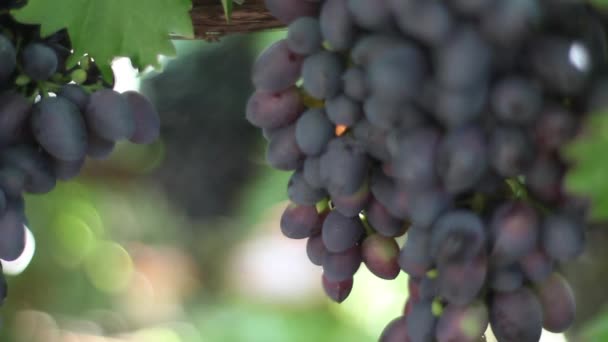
589,173
138,29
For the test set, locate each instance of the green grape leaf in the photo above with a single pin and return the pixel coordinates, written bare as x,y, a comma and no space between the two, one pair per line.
105,29
589,173
227,5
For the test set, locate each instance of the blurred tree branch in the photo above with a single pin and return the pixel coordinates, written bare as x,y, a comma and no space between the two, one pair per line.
210,23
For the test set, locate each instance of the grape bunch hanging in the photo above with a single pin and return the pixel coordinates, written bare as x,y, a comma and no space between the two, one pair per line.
53,116
442,121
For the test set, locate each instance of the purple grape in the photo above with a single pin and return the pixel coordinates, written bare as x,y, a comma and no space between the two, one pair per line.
321,74
340,232
354,84
315,249
302,193
396,74
457,235
342,266
14,112
313,131
395,331
562,237
462,323
380,255
147,120
341,110
108,115
516,100
558,303
304,35
515,232
59,128
283,152
414,258
511,151
516,316
537,266
344,166
39,61
461,282
337,291
421,322
76,94
276,68
300,221
337,26
352,205
383,222
274,109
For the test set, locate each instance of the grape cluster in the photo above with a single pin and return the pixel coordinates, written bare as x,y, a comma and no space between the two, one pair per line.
443,120
55,110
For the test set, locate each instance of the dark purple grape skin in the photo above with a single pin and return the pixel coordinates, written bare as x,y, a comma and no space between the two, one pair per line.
428,21
344,166
511,151
414,258
414,157
537,266
457,107
380,255
395,331
462,159
300,221
354,84
463,61
382,221
109,116
14,111
370,14
390,194
35,164
322,74
457,235
597,99
12,180
461,282
555,127
516,316
98,147
59,128
8,58
506,278
396,74
514,229
516,100
337,291
312,172
302,193
507,23
421,322
66,170
352,205
147,120
12,232
562,237
276,68
304,36
386,115
341,110
544,178
273,110
558,303
289,10
462,324
426,205
315,249
337,26
313,131
369,47
39,61
76,94
342,266
340,232
428,288
283,152
373,139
